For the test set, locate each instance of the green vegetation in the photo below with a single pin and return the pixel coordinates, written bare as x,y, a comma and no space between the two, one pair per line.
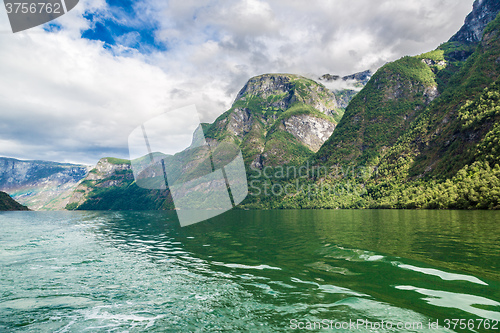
428,153
282,148
382,111
482,109
72,206
114,160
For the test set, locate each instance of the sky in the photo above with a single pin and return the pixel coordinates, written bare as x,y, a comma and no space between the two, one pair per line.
73,89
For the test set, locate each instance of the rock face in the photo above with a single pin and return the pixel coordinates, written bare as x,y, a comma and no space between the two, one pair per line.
40,185
483,12
310,131
240,122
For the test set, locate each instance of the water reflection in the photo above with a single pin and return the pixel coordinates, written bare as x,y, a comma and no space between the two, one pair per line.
340,254
444,275
465,302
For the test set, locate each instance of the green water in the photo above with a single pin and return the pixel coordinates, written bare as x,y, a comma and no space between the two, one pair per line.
249,271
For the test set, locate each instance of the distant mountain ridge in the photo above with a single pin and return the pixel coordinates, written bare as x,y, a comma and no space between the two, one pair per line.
40,185
346,87
360,77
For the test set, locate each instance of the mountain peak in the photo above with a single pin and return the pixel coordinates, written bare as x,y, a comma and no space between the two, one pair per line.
270,94
266,85
483,12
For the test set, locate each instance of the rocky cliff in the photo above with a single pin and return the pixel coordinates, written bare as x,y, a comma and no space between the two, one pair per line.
483,12
40,185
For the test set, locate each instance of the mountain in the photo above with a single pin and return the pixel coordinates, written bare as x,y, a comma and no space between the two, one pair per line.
275,119
427,126
377,115
357,79
278,119
483,12
40,185
345,88
7,203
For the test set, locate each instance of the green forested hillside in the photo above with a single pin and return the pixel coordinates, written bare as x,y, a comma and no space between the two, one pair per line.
443,155
382,111
7,203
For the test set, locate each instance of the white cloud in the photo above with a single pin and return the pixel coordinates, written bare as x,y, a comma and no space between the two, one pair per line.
232,41
65,98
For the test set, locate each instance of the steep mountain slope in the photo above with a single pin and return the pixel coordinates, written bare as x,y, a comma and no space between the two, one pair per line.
399,93
383,110
41,185
7,203
445,137
435,153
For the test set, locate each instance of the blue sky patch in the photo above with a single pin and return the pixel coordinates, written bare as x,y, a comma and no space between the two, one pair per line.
120,25
52,27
